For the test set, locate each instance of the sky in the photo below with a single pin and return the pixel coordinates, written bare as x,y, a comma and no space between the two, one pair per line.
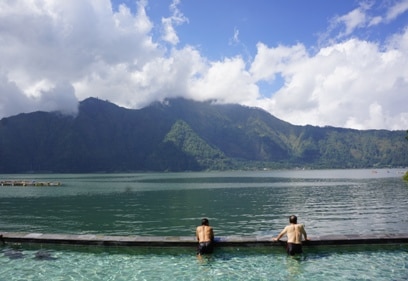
340,63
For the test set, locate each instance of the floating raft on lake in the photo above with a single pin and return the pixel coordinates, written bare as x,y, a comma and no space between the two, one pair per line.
175,241
27,183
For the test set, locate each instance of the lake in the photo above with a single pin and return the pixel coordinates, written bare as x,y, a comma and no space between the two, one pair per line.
236,203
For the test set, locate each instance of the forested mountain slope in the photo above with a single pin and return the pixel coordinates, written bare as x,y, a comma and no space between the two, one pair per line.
180,135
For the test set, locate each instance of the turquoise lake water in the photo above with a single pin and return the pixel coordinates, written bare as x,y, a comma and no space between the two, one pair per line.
237,203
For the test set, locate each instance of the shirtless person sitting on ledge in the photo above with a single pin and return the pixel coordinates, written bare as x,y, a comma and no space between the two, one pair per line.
294,231
205,237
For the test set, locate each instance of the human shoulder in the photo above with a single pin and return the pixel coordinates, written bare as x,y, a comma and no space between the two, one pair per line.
301,228
286,228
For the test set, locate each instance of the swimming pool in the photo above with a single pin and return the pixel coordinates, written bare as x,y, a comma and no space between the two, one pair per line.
58,262
345,202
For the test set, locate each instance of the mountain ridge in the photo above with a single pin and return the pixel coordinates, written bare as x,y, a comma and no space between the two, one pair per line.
185,135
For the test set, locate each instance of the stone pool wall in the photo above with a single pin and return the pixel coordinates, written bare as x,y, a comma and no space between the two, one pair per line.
173,241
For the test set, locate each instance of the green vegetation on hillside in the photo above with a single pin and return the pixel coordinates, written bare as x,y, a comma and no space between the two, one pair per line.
183,135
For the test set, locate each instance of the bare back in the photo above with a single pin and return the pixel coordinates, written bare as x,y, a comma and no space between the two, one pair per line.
204,233
294,233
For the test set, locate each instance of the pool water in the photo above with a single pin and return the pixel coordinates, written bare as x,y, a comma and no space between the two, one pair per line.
369,262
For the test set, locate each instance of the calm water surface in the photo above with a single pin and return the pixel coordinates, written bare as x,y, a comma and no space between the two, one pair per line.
237,203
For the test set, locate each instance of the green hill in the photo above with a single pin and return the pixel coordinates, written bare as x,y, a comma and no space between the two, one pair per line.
180,135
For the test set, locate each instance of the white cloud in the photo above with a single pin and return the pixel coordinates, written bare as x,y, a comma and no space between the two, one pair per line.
396,10
72,41
177,18
354,19
235,37
55,53
12,100
349,84
59,98
270,61
226,81
364,16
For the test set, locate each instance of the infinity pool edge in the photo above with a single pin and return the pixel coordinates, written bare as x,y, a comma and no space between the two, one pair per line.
172,241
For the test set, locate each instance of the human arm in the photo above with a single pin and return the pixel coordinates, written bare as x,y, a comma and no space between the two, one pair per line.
211,234
197,234
303,231
283,232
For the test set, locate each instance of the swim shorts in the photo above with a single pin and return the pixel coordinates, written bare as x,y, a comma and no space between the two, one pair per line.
293,249
205,248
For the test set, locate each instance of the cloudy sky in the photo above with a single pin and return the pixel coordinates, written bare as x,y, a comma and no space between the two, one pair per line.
325,63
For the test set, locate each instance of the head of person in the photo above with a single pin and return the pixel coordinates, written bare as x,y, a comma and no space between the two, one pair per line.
205,222
293,219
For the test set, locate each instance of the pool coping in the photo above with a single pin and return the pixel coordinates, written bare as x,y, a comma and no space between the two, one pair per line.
175,241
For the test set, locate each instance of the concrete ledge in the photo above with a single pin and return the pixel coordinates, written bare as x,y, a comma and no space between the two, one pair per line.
174,241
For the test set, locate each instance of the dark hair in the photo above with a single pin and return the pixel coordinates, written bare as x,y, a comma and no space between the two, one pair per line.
205,222
293,219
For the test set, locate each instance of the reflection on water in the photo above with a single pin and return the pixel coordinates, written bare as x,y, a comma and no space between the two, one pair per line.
237,203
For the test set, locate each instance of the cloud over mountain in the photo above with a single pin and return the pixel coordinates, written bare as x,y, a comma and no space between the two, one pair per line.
55,53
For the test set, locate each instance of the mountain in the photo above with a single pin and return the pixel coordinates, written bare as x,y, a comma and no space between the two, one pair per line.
184,135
